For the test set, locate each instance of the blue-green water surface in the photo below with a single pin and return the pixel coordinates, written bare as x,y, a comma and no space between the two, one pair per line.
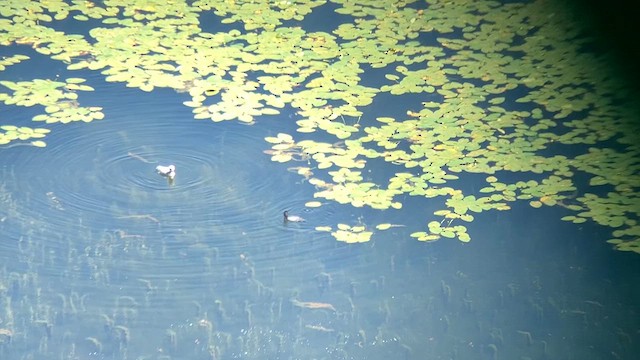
102,258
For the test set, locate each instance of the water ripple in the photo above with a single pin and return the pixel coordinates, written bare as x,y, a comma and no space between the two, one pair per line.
125,250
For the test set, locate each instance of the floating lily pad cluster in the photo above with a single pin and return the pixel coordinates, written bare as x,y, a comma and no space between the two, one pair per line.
9,133
58,98
12,60
255,15
436,230
465,127
504,90
347,233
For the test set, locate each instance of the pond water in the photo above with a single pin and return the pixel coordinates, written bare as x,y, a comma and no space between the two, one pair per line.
102,258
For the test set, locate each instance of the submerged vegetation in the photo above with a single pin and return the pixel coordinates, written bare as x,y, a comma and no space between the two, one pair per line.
506,91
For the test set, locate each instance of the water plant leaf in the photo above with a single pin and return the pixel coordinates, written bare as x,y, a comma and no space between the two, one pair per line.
313,204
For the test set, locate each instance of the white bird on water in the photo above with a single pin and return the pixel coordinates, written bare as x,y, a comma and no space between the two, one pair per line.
292,218
167,171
